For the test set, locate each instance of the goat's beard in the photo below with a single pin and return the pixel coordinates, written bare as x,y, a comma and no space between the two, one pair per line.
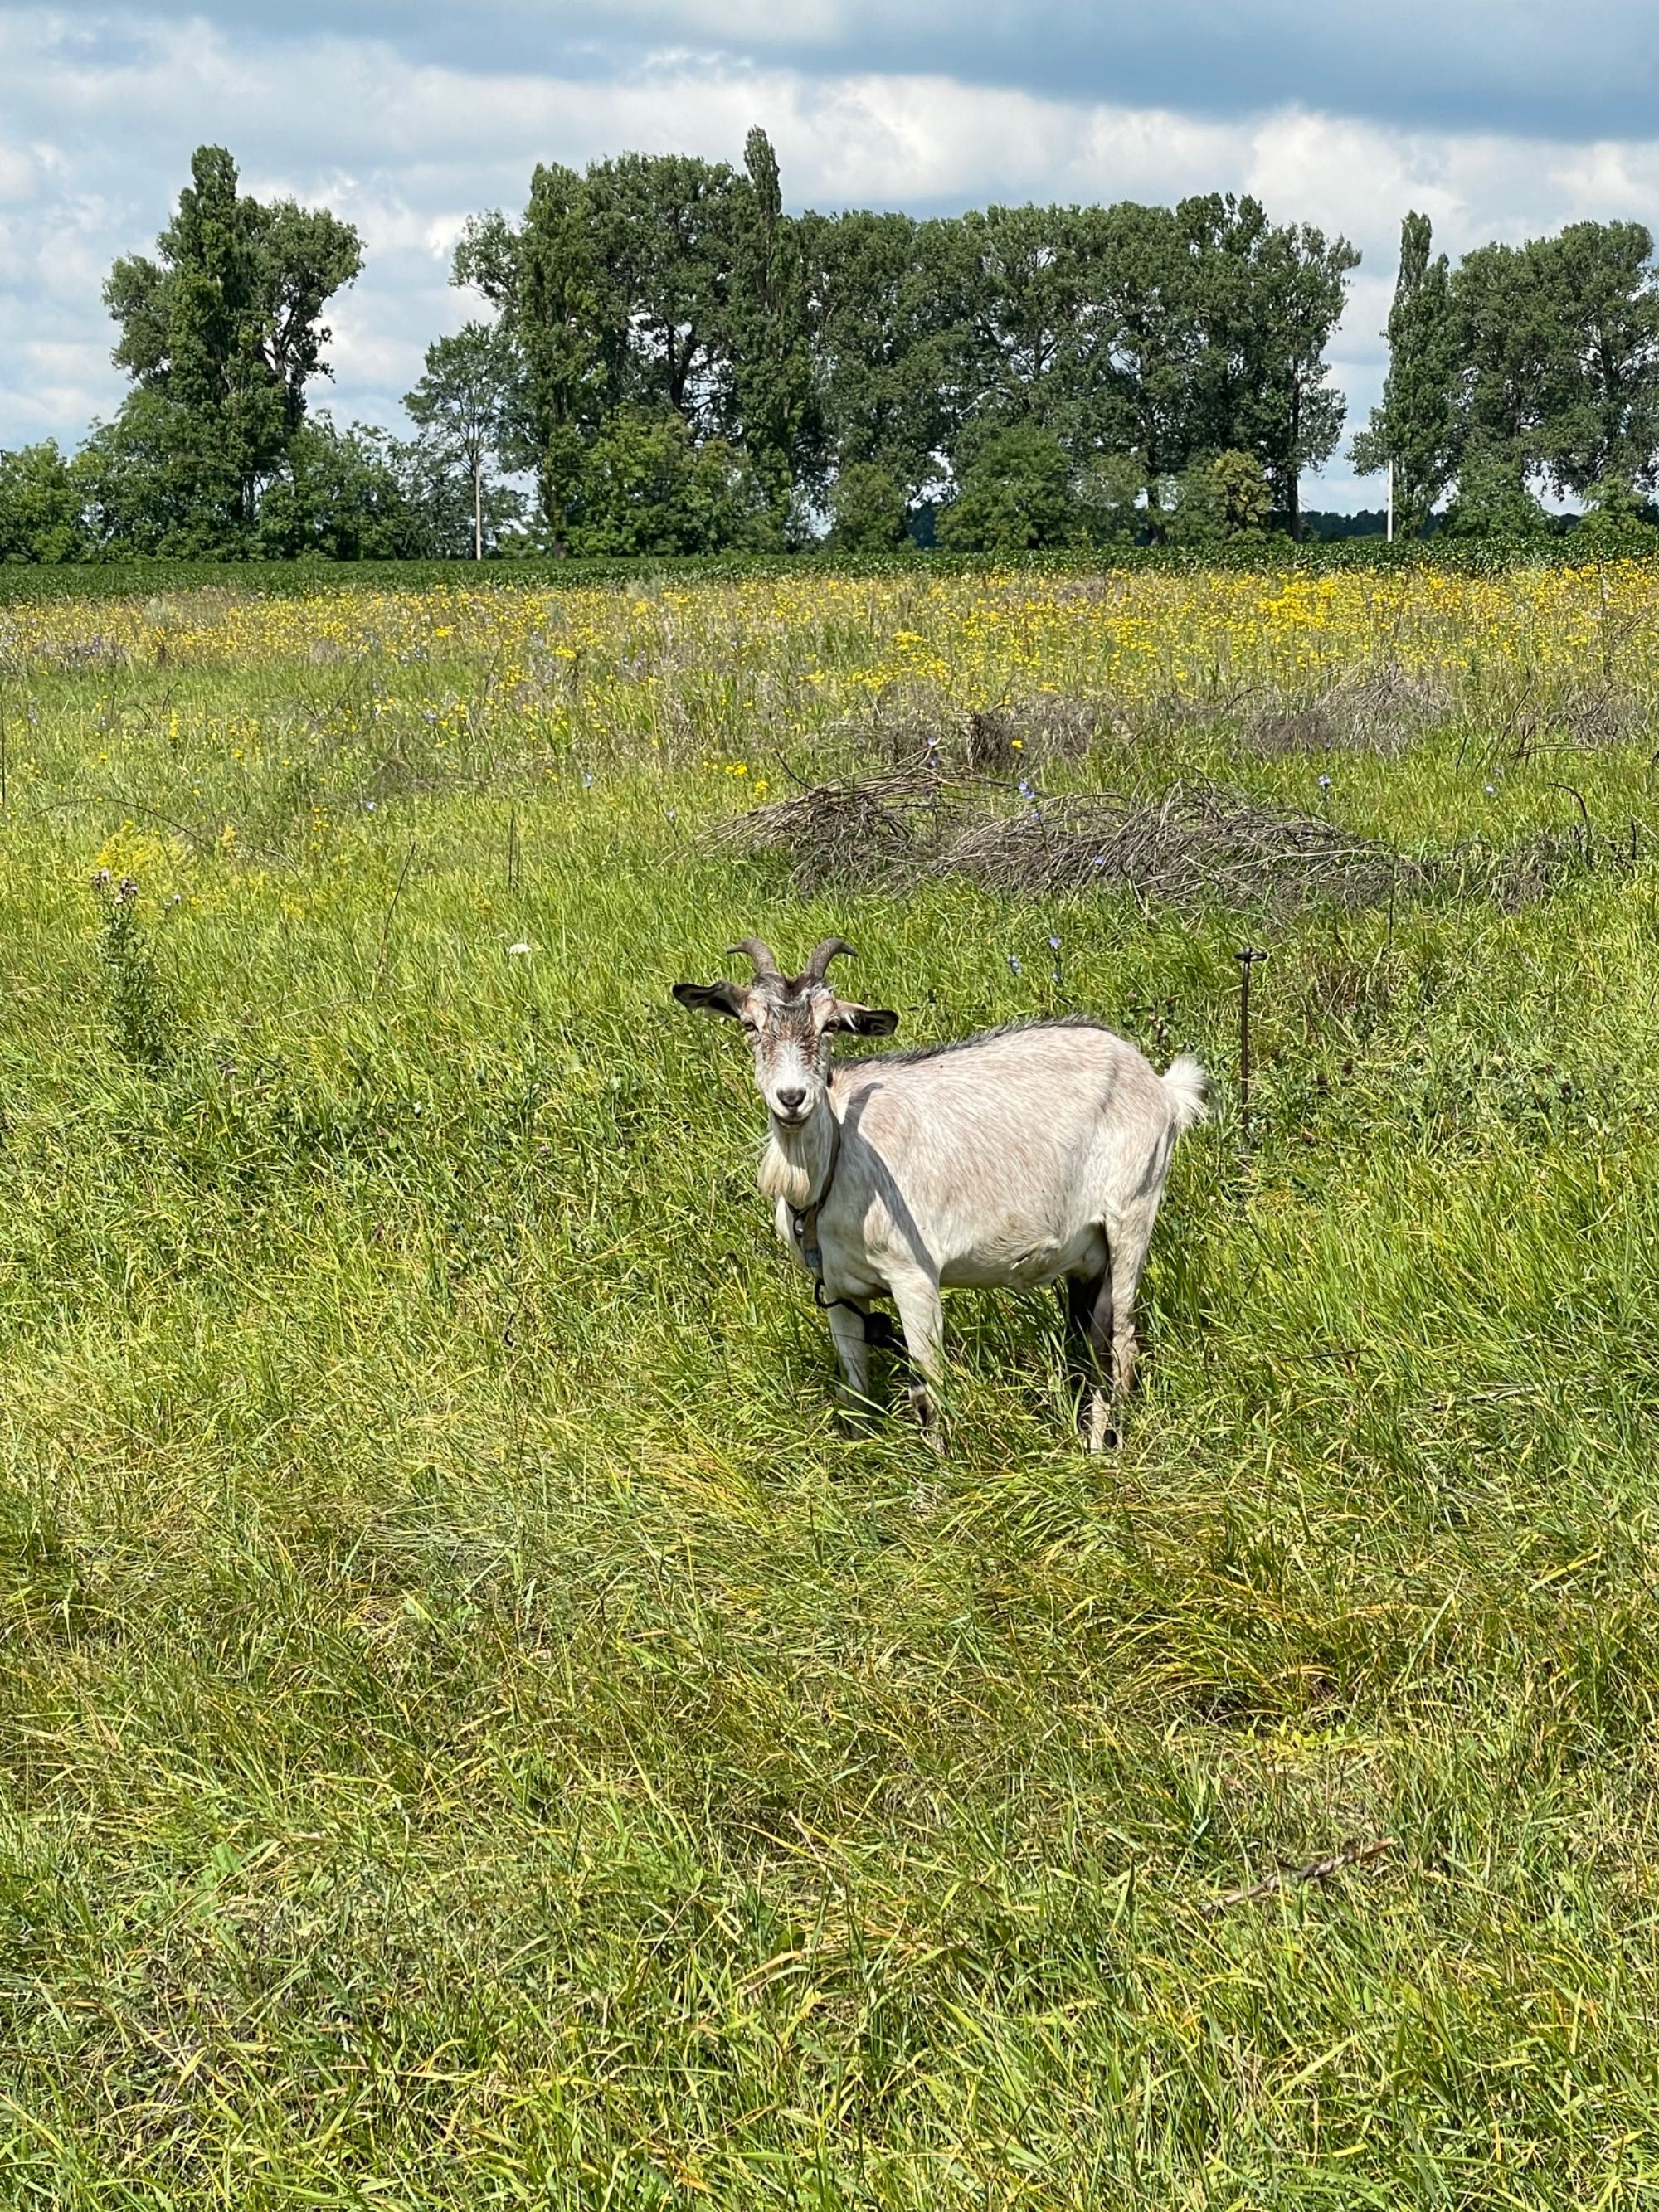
796,1161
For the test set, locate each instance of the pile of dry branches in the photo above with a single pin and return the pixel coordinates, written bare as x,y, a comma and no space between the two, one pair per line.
1196,842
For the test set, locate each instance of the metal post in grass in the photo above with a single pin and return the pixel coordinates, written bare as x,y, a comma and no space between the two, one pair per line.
1247,960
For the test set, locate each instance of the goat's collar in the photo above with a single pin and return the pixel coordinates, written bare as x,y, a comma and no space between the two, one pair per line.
804,1219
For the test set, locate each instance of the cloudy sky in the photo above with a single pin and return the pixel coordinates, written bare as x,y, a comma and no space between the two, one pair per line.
1500,117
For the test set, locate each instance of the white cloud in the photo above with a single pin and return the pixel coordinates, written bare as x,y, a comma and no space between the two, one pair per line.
96,135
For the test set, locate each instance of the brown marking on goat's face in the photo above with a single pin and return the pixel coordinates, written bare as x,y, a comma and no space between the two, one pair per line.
791,1022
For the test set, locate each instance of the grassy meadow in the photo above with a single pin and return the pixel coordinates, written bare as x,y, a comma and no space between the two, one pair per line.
477,1729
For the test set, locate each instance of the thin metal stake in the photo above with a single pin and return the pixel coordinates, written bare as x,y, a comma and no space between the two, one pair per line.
1247,960
1393,885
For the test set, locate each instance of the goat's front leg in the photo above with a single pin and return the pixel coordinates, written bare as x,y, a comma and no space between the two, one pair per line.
921,1316
847,1330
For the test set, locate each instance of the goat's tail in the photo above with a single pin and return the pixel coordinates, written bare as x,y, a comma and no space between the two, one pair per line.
1185,1081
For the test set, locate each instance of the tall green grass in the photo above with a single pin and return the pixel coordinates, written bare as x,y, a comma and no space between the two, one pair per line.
477,1730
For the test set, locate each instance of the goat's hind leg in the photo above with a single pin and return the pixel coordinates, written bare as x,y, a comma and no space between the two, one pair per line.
1090,1332
1131,1233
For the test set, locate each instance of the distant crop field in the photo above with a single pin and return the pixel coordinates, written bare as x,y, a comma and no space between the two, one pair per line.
479,1728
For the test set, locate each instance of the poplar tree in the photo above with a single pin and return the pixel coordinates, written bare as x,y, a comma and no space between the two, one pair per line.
1027,315
888,301
663,227
1139,353
222,333
1417,427
771,410
1140,339
1514,375
570,333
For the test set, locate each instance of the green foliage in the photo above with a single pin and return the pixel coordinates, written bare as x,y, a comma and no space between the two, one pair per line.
664,228
1226,498
1027,304
868,512
342,496
1169,332
809,345
336,495
449,507
1266,298
646,489
1605,291
144,1017
467,408
221,334
1558,341
40,516
1494,503
888,339
1111,495
1146,276
143,490
773,407
1542,359
812,346
120,575
1615,524
560,312
1416,427
1512,351
1015,495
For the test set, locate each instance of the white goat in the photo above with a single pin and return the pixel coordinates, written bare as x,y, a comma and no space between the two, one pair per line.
1034,1154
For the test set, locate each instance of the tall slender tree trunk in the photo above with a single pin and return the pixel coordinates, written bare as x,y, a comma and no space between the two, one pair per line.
477,511
1293,505
552,510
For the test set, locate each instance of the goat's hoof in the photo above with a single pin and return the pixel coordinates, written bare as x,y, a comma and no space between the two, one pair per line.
1100,1436
925,1408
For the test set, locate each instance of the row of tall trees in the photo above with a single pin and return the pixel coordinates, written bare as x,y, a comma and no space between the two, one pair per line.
673,362
216,450
668,297
1524,367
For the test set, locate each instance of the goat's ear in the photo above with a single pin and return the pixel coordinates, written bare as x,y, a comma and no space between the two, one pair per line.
865,1021
711,997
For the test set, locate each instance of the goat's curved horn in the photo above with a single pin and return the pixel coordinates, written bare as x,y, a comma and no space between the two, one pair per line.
760,955
831,949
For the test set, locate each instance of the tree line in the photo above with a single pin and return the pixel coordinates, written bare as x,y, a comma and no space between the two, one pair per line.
1524,367
666,361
